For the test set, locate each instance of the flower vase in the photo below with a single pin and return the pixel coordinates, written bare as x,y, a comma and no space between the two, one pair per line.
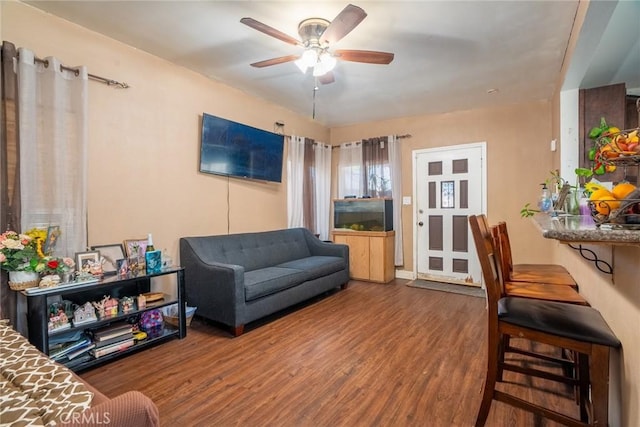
21,280
571,203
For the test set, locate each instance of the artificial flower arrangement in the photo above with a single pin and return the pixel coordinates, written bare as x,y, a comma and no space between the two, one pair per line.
25,252
18,252
54,265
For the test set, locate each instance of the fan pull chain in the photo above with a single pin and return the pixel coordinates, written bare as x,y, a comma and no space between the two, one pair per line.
315,89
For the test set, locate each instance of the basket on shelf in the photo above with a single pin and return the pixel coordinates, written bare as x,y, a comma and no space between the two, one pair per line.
618,149
170,315
625,213
21,280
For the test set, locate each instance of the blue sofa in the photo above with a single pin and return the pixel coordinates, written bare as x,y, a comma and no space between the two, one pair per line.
238,278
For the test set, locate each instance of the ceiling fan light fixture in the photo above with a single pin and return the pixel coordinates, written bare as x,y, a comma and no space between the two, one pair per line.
325,63
319,70
308,59
328,61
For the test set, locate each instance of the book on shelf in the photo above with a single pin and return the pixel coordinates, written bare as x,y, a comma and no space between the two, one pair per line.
64,349
81,350
77,361
113,348
114,340
112,331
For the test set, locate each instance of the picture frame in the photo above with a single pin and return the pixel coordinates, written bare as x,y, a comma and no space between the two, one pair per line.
131,244
111,254
84,259
53,232
122,267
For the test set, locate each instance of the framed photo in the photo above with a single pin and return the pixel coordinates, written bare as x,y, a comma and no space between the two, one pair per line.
111,254
123,267
135,247
153,260
53,232
86,261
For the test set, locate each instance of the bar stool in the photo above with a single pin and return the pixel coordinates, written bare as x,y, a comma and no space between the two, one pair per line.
552,274
580,329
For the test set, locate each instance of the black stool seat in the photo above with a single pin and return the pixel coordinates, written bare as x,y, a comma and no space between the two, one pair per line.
572,321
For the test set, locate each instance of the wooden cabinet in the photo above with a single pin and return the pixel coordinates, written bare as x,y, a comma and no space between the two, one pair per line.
371,254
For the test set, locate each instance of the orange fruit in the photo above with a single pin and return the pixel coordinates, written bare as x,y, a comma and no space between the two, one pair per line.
604,201
605,206
601,193
622,190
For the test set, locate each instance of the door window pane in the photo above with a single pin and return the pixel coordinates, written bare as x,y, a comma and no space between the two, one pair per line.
448,194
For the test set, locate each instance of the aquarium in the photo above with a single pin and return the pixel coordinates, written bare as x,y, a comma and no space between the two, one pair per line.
363,214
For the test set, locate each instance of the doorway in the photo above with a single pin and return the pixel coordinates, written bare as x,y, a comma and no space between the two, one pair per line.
449,185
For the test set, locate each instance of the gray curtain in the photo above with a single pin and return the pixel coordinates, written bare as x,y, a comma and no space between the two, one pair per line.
9,170
376,176
308,186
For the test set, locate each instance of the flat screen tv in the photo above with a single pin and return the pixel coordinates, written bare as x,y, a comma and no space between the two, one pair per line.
233,149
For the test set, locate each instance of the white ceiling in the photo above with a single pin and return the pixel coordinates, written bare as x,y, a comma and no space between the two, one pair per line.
448,54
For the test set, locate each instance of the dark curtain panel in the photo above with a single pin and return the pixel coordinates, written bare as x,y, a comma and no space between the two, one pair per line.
9,169
376,176
308,185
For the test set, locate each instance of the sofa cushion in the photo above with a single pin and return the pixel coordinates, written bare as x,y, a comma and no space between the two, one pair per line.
34,390
269,280
316,266
253,251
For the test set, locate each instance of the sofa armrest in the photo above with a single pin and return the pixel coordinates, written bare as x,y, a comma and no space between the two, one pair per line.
318,247
217,289
128,409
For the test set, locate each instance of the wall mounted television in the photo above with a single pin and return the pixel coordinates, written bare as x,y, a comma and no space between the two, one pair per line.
233,149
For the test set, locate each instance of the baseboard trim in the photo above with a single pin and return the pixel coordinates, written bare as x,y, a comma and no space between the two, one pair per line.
405,274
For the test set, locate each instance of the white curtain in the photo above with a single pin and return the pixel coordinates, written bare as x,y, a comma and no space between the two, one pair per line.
53,110
395,166
322,189
350,170
295,168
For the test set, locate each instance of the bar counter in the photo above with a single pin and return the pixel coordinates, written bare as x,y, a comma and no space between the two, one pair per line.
582,229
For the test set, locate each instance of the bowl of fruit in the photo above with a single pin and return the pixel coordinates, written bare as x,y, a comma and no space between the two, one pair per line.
620,205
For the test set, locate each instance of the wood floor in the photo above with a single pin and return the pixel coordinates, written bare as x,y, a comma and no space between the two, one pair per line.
371,355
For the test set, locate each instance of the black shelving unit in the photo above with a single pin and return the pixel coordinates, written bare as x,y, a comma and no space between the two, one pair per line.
116,286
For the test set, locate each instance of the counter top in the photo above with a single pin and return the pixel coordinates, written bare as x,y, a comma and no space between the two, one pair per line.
582,229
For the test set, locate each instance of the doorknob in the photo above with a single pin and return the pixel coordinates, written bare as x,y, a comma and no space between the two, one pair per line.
421,223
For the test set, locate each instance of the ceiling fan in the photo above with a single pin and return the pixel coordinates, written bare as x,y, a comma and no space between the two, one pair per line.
317,37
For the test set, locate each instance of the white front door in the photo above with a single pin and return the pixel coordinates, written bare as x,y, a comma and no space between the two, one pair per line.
449,185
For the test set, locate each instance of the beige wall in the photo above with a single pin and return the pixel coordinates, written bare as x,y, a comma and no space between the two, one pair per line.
514,135
144,141
143,158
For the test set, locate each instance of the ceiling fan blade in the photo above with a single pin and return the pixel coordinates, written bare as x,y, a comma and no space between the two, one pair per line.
270,31
275,61
327,78
342,24
366,56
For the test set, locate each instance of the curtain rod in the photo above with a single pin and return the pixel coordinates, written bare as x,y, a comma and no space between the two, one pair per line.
108,82
406,135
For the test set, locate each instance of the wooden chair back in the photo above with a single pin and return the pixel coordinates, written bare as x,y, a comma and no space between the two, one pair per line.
500,241
505,248
489,258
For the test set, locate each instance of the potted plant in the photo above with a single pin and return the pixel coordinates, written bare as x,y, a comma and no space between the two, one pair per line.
19,256
572,201
54,266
